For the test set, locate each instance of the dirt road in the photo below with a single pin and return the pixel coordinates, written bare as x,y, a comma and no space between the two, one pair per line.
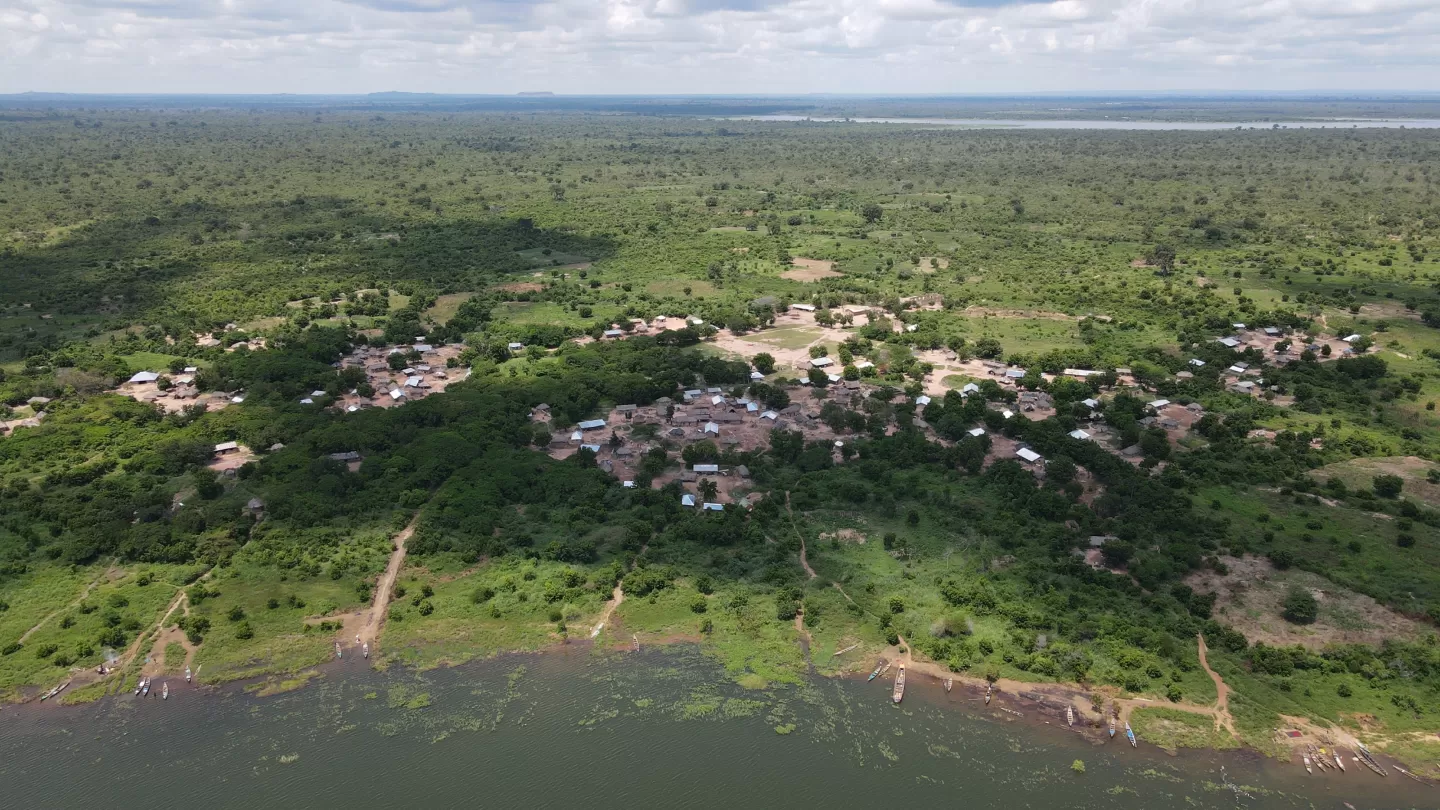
804,562
369,631
81,598
1222,702
616,598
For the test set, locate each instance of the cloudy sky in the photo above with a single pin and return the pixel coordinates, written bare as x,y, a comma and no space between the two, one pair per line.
716,46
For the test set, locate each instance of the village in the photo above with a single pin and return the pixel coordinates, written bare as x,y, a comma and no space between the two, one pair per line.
730,420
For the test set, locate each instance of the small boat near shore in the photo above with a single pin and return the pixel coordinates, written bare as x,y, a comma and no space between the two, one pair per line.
1369,760
989,690
139,687
1305,757
146,689
365,649
53,692
1130,735
165,690
898,694
187,674
1069,715
337,649
949,684
1112,727
1339,760
875,673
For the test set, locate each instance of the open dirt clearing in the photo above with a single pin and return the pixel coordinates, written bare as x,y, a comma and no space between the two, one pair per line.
1251,596
1360,473
810,270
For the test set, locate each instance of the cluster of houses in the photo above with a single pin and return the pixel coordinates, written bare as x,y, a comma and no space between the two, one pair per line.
182,385
641,327
396,386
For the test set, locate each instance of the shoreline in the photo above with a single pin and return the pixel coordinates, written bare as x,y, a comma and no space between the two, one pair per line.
1033,705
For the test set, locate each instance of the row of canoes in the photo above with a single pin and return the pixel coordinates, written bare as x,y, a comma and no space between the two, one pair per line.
897,694
1320,757
142,689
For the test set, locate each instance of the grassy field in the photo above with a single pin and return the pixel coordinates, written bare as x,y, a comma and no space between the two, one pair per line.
1173,729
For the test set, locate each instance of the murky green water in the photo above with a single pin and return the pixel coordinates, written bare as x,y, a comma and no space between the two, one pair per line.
655,729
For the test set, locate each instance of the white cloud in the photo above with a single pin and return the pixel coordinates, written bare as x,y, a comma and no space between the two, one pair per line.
746,46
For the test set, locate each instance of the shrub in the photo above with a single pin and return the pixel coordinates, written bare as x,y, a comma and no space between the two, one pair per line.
11,648
698,604
45,650
1388,486
1343,690
1300,606
244,631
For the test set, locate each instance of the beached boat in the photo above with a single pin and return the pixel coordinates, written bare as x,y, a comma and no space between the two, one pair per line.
1339,760
949,682
1069,716
875,673
899,692
139,687
1130,735
187,674
165,691
1369,760
989,690
337,649
365,649
1306,759
1112,727
53,692
146,691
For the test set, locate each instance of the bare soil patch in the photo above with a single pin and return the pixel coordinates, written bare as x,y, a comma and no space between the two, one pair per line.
845,536
810,270
521,286
1360,474
1250,597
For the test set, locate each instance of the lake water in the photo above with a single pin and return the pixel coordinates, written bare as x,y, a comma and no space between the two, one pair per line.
576,730
995,123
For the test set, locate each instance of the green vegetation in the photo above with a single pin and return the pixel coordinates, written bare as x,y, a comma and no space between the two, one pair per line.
1172,729
162,242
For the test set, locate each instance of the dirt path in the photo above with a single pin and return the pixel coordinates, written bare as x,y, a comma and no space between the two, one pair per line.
369,631
1222,702
616,598
81,598
804,562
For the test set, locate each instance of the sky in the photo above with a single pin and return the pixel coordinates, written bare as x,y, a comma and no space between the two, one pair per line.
716,46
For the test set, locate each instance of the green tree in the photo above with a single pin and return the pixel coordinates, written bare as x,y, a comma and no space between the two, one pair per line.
764,363
1388,486
1300,606
872,213
1163,257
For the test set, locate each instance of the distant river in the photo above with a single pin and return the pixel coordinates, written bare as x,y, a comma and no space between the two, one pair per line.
658,729
996,123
